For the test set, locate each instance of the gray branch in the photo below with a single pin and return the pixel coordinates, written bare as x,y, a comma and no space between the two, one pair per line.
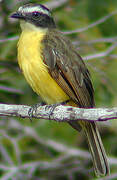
100,21
59,113
101,54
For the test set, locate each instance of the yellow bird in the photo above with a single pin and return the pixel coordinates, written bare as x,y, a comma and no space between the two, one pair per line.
57,73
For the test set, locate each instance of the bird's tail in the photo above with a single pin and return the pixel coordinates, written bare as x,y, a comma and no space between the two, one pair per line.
96,147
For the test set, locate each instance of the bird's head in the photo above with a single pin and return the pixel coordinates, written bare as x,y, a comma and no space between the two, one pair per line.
36,15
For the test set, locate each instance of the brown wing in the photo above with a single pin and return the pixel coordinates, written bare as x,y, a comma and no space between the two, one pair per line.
69,71
68,68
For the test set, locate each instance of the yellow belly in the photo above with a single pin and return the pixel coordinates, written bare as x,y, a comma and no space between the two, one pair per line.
35,71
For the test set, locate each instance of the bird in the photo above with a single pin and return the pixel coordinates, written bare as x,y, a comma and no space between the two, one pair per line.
57,73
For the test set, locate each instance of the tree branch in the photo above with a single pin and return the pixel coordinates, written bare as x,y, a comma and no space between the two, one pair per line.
101,54
60,113
99,21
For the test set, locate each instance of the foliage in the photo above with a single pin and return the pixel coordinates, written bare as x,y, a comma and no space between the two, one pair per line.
30,150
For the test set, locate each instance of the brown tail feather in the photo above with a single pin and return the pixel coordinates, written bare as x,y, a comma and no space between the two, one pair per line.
96,147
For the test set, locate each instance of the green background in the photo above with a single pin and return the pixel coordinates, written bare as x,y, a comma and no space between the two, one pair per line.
29,150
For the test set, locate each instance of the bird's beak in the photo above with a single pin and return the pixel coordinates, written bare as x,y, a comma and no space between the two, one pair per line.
17,15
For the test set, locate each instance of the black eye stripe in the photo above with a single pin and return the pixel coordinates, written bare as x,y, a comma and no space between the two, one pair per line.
39,19
35,13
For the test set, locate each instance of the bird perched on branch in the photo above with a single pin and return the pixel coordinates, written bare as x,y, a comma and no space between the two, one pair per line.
57,73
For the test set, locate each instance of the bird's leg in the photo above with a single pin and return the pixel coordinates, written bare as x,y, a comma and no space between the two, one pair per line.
34,109
75,125
53,106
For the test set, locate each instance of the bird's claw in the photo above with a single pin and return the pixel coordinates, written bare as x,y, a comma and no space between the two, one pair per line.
33,110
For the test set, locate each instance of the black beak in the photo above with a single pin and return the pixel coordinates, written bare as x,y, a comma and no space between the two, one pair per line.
17,15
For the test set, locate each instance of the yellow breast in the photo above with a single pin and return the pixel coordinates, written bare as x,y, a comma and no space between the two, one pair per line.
30,60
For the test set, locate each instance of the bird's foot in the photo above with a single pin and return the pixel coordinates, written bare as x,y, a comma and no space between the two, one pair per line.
53,106
33,109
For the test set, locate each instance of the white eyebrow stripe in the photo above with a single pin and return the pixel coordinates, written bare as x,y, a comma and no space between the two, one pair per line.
32,9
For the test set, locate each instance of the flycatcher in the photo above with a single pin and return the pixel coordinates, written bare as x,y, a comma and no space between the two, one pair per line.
57,73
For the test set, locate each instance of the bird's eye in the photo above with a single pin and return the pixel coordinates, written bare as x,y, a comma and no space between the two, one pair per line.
35,14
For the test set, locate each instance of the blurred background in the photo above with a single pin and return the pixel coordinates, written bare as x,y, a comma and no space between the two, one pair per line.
47,150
